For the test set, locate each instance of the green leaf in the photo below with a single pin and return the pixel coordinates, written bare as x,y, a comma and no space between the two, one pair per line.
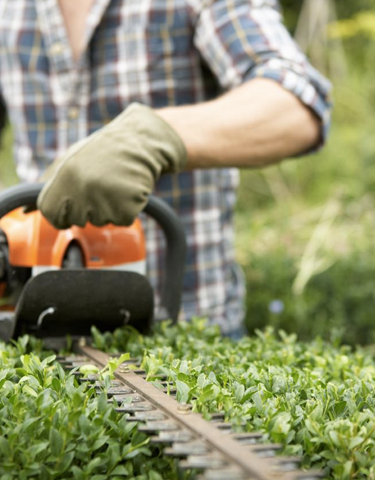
239,391
102,403
183,391
85,425
37,448
335,438
282,423
78,473
56,442
55,384
206,393
120,470
25,359
29,391
257,399
153,475
5,448
48,360
88,369
100,442
354,442
340,407
65,462
94,464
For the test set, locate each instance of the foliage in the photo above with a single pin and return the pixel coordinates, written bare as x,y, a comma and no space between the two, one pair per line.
311,270
363,23
345,9
336,304
52,427
308,271
314,398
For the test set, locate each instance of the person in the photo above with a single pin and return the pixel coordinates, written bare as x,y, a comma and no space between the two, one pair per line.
165,96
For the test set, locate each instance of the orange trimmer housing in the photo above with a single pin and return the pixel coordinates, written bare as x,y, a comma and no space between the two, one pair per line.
33,243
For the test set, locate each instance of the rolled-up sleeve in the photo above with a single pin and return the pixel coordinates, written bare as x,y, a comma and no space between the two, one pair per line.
245,39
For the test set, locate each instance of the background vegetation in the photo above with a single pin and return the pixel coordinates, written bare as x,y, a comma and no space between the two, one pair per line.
305,229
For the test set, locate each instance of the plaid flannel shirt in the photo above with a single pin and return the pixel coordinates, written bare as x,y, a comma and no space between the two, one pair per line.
160,53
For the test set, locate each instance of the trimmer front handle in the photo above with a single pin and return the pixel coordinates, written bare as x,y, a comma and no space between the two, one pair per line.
25,195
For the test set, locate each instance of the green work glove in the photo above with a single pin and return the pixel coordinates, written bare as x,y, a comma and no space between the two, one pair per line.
108,177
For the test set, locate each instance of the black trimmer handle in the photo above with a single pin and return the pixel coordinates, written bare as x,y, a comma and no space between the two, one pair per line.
25,195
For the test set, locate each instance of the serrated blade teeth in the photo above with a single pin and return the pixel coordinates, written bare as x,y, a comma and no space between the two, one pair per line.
137,407
159,426
187,449
202,462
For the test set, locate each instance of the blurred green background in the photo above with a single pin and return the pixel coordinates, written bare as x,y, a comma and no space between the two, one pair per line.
306,228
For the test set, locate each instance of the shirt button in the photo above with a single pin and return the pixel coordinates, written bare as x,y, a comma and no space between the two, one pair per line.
57,48
73,113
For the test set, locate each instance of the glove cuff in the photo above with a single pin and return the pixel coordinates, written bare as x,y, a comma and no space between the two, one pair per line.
169,143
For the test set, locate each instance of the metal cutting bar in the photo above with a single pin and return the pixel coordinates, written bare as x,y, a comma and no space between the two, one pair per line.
225,451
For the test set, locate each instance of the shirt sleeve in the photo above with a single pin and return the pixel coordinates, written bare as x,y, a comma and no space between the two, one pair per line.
245,39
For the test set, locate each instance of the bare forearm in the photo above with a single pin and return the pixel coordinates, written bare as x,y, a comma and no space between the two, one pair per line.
254,125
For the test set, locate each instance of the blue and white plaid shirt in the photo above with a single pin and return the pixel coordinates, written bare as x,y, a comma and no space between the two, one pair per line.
160,53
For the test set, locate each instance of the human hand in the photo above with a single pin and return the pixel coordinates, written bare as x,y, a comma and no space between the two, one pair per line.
108,177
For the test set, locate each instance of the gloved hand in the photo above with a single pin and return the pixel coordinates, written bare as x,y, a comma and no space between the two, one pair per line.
108,177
